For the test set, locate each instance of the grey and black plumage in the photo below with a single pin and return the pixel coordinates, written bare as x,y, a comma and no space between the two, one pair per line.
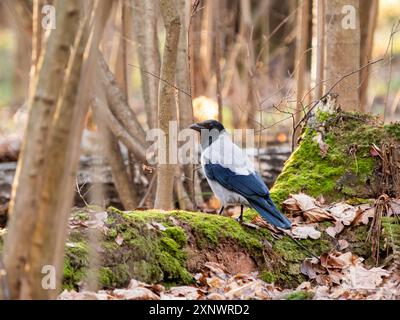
232,176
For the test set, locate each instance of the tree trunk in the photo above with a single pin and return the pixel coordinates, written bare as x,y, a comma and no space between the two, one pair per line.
301,59
185,100
343,51
36,40
319,48
145,23
167,106
112,151
20,19
28,179
368,19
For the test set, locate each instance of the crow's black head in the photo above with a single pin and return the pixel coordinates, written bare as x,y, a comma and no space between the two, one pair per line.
208,125
209,130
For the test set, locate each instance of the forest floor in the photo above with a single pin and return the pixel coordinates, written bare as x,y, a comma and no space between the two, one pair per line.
195,265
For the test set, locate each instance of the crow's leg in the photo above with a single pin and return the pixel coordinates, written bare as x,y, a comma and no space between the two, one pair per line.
240,218
221,210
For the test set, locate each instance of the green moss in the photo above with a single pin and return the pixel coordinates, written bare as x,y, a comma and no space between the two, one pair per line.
75,264
300,295
394,130
347,169
153,256
268,276
177,234
84,216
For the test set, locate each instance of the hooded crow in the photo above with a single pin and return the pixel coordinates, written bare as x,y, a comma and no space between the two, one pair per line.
232,176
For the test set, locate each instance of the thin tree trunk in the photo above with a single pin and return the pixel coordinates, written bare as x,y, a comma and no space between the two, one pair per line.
72,137
368,20
301,58
342,53
28,180
119,172
185,101
119,102
20,14
145,23
318,48
217,56
36,40
246,35
167,106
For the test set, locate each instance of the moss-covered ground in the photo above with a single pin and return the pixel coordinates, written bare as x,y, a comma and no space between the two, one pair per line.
159,253
346,172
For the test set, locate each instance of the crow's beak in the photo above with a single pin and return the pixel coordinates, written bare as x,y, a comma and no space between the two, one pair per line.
197,127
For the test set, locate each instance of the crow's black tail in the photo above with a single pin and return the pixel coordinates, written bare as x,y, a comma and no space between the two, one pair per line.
267,209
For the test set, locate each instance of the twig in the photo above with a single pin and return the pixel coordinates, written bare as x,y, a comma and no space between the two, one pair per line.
299,243
149,190
162,80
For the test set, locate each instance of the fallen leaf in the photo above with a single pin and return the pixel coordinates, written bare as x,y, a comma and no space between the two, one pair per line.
215,282
189,293
394,207
137,293
304,232
215,296
310,268
119,239
317,215
343,212
360,278
343,244
337,260
308,206
363,215
333,231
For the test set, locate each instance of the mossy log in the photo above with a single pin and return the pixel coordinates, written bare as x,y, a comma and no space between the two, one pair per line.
346,169
169,247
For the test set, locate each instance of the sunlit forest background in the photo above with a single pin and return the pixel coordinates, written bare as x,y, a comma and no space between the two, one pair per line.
273,40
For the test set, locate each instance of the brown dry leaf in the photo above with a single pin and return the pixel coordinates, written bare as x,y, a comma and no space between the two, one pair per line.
308,206
363,215
215,296
323,147
242,291
119,239
333,231
335,276
394,207
304,202
217,269
343,212
137,293
304,232
311,268
317,215
291,205
343,244
186,292
338,260
215,282
358,277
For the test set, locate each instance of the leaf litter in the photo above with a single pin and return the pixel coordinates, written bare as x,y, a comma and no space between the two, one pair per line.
335,275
